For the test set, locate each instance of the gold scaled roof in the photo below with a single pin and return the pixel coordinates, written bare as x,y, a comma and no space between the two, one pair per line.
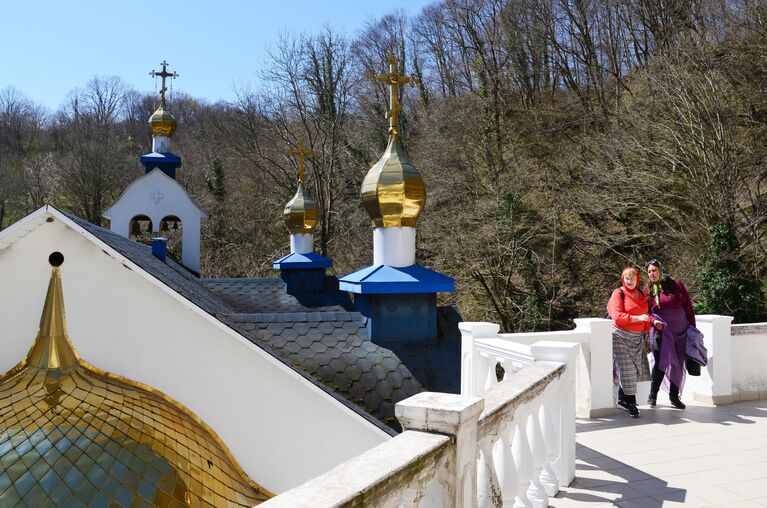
162,122
72,435
301,212
393,192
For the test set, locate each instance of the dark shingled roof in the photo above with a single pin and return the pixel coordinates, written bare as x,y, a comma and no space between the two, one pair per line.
327,344
270,296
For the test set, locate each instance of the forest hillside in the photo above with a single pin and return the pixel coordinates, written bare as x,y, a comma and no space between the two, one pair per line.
559,140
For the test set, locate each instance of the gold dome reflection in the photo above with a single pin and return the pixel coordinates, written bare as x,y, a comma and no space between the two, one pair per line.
71,434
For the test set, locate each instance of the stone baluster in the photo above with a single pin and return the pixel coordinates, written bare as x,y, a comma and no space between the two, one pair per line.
548,477
535,492
488,490
504,465
453,415
523,458
563,411
491,378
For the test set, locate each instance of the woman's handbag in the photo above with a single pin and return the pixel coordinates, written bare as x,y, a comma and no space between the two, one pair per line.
693,367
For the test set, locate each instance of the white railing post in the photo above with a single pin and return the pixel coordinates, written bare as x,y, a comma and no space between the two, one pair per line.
471,384
563,405
457,416
715,383
596,383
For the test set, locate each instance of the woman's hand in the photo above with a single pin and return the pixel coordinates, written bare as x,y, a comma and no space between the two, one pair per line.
658,325
644,318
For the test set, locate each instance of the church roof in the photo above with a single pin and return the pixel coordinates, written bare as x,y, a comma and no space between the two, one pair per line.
72,435
327,344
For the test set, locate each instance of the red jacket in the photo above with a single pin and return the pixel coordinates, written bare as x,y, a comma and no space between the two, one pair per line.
621,308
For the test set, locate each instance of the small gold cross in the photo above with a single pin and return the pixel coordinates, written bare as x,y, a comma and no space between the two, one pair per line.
301,152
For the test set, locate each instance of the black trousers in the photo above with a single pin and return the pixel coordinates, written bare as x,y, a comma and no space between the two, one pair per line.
657,375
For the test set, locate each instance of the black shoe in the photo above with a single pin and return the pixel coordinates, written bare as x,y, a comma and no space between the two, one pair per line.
625,405
677,403
652,400
633,411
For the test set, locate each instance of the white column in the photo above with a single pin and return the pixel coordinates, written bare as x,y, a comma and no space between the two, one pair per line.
453,415
394,246
190,242
160,144
301,243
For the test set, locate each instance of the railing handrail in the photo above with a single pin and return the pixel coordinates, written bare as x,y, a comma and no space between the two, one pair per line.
406,459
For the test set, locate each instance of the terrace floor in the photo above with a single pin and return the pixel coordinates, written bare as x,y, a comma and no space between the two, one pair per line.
700,456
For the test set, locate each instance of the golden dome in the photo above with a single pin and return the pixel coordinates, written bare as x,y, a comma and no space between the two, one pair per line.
301,213
72,434
393,192
162,122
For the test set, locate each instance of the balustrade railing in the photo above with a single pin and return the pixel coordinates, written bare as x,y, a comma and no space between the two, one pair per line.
513,446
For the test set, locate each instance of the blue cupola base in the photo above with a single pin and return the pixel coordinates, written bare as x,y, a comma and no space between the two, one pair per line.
166,162
400,303
303,274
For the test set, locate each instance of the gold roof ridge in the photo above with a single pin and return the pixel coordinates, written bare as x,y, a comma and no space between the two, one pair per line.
52,348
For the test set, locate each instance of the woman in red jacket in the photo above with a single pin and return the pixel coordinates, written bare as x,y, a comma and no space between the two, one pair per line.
628,309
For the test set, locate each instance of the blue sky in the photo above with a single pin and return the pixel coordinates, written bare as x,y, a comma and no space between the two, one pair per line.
50,47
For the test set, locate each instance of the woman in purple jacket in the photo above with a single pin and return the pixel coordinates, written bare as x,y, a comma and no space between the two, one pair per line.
668,300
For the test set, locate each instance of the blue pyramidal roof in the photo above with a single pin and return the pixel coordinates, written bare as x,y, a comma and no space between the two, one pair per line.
308,260
385,279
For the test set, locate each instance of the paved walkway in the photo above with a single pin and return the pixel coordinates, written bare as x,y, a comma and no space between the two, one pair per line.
701,456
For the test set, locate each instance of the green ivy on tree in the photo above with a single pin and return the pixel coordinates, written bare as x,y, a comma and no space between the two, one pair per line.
726,286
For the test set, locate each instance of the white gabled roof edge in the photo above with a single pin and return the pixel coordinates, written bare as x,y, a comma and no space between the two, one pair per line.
32,221
106,212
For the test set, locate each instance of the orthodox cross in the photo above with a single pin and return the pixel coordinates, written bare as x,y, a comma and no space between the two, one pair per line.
394,79
163,74
301,152
157,196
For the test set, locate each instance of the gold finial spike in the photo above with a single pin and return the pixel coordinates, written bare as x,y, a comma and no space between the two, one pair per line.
301,152
52,348
163,74
394,79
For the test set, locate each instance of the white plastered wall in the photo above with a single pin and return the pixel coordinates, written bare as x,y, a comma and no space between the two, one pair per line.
749,379
282,429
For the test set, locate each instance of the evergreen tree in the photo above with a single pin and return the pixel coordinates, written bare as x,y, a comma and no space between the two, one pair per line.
727,287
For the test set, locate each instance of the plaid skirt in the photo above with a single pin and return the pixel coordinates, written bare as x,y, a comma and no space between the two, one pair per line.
630,359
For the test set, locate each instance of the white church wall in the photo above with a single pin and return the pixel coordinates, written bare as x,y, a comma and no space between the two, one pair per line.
281,429
157,196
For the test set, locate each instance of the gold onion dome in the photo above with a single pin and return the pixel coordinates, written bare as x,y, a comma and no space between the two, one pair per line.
301,212
162,122
73,434
393,192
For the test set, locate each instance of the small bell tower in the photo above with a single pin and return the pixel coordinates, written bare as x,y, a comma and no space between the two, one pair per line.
156,203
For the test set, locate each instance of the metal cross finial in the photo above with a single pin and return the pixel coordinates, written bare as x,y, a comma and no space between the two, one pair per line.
301,152
394,79
163,74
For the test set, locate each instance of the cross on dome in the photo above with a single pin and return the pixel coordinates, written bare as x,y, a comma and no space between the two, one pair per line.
163,74
301,152
394,79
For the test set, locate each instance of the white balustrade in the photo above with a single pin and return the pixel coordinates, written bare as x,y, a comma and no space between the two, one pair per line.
514,446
